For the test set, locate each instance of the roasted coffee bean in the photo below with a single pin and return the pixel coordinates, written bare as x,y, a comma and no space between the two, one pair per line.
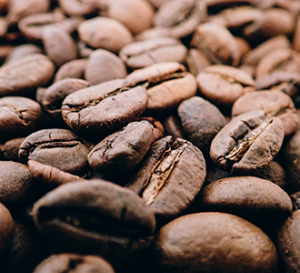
104,108
223,85
74,7
22,51
59,45
136,15
291,161
173,127
95,217
32,26
144,53
73,69
106,33
49,176
201,121
103,66
167,84
284,59
248,143
23,76
18,9
10,149
6,231
274,103
19,117
213,242
54,95
74,263
59,148
124,149
180,18
217,43
169,177
197,61
295,197
288,242
257,200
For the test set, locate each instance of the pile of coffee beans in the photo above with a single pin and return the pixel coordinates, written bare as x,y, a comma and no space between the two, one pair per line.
154,136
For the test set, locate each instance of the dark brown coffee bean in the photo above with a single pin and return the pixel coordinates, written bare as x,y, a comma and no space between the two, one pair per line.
16,185
295,197
248,143
291,161
124,149
6,234
73,69
28,248
144,53
136,15
167,84
50,176
106,33
95,217
158,128
274,103
173,127
201,121
23,76
10,149
169,177
223,85
104,108
254,199
217,43
22,51
288,242
68,263
19,116
58,45
54,95
214,242
59,148
103,66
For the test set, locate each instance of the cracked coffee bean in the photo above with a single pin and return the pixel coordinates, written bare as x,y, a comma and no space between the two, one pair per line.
248,143
169,177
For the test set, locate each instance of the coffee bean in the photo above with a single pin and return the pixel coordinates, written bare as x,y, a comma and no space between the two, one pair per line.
248,143
213,242
76,263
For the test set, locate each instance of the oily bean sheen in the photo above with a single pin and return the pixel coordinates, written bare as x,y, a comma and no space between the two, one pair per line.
214,242
252,198
94,217
104,108
25,75
248,143
124,149
59,148
201,121
170,177
289,243
74,263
